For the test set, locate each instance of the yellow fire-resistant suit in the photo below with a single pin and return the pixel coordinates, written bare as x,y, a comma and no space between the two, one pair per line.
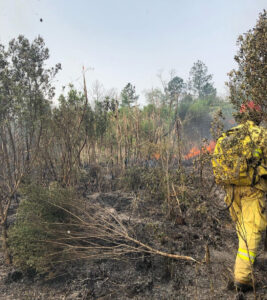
248,211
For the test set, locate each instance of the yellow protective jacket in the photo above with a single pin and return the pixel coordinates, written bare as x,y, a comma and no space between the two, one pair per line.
248,209
240,156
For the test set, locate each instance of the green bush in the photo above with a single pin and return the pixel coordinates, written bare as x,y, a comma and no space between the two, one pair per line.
43,220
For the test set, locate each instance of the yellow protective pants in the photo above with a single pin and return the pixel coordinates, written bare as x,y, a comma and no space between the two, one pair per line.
248,211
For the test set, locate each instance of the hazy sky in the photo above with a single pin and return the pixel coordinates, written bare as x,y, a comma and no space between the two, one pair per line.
131,40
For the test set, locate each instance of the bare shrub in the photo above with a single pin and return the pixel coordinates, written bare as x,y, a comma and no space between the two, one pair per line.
54,227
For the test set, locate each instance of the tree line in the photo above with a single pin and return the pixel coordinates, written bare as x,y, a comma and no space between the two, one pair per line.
43,144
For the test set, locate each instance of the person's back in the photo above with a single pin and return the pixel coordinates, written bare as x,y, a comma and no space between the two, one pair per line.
238,156
246,198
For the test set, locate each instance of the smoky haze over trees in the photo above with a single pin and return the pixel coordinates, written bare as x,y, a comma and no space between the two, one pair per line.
52,144
55,157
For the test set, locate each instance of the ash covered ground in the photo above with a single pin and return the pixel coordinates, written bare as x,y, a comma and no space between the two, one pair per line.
205,230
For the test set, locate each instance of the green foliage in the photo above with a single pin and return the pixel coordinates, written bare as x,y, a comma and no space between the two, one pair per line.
200,81
25,91
198,108
149,109
128,95
147,128
155,97
73,125
40,223
74,99
25,109
175,88
25,83
30,85
72,122
164,113
101,117
248,82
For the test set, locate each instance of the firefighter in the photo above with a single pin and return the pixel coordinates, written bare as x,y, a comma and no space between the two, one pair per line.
248,202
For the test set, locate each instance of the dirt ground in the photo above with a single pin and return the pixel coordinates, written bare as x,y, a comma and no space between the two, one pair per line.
205,230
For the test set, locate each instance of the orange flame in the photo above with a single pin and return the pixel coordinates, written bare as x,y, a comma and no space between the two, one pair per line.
192,153
155,156
211,146
196,151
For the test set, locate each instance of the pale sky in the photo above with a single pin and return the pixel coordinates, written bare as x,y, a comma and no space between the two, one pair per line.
131,40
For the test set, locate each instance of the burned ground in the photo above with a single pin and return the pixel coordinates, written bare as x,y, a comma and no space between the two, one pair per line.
206,233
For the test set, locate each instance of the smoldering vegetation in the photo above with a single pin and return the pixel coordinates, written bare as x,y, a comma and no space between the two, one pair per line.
104,199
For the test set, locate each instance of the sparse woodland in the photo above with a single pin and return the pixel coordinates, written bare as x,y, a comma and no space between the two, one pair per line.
62,163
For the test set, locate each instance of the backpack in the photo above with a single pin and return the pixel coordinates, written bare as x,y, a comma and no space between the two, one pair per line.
237,156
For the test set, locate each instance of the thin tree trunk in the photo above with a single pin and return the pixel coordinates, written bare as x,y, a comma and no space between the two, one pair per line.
3,224
4,244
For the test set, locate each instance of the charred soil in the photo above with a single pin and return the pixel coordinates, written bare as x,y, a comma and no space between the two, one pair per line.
204,232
